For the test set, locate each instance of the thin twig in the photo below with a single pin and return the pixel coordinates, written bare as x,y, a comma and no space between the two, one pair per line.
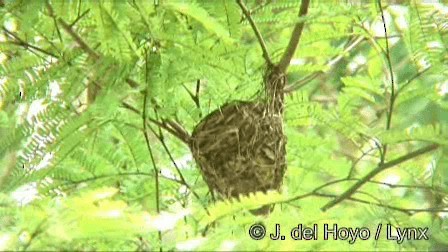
148,145
246,13
181,133
408,211
421,187
181,176
79,17
392,186
409,81
403,210
352,169
172,127
194,97
330,64
93,87
51,14
20,42
381,167
120,174
260,6
392,91
67,28
295,38
37,231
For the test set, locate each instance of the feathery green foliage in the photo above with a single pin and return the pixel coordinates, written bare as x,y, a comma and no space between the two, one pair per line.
97,99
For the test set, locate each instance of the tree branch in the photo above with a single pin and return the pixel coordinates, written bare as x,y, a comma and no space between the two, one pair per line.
181,176
67,28
20,42
403,210
410,80
156,170
246,13
120,174
181,133
408,211
381,167
172,127
92,88
295,38
392,91
389,64
79,17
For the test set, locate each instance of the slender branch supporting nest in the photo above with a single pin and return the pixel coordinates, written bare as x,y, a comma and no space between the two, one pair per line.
293,42
240,147
295,38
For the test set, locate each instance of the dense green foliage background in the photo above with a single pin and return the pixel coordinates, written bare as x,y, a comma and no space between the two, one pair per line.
90,90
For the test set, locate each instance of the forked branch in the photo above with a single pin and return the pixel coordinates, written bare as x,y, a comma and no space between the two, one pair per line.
293,42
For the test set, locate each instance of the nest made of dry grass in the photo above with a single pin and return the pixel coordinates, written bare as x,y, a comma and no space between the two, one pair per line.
240,148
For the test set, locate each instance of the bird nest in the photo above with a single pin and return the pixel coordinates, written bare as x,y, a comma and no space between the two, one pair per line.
240,149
